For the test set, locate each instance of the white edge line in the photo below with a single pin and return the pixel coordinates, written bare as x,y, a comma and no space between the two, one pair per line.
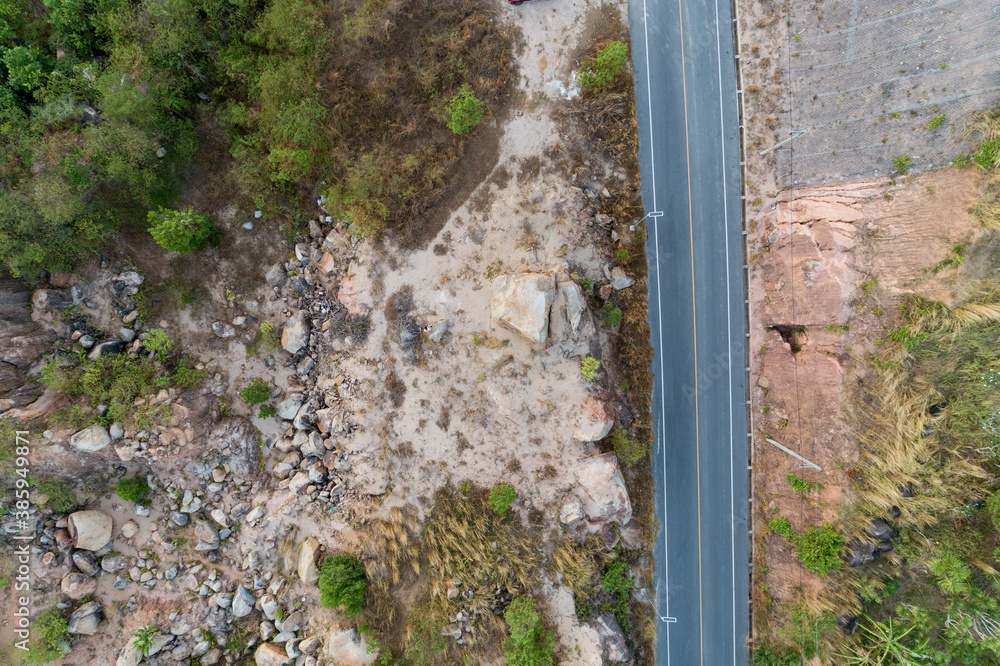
729,320
659,313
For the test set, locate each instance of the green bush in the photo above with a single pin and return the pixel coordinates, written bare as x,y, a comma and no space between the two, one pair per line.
599,71
819,549
616,579
464,110
589,367
183,231
50,633
187,377
901,164
133,490
799,484
61,494
630,451
529,643
774,656
781,527
256,393
157,342
342,582
267,411
611,314
501,497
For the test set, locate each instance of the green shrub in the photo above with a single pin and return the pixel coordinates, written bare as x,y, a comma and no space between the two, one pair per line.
501,497
267,411
936,121
142,639
799,484
819,549
133,490
183,231
901,164
342,582
464,110
425,623
781,527
61,494
630,451
187,377
988,154
50,633
599,71
157,342
589,367
256,393
611,314
774,656
616,579
529,643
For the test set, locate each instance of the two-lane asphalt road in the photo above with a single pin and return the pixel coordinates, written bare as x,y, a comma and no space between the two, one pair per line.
682,51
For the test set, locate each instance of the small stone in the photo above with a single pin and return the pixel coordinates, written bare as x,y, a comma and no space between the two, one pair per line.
129,529
223,330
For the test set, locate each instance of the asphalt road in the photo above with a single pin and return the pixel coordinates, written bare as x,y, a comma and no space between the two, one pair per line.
682,52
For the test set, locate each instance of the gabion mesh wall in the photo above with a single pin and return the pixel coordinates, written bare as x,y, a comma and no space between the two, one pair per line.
866,80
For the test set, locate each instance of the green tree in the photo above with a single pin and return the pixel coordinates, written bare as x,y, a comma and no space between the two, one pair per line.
342,582
464,110
183,231
819,549
501,497
25,69
529,643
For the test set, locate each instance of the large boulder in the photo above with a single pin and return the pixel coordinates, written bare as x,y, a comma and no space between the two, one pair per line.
522,302
308,554
92,438
606,498
614,648
596,419
85,619
295,337
346,647
90,529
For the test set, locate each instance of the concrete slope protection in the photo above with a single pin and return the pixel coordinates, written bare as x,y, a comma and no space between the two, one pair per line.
682,52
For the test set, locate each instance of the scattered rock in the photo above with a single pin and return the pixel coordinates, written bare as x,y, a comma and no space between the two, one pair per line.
596,420
289,407
242,440
614,648
326,263
346,647
86,562
131,278
269,654
276,276
295,337
862,552
879,529
92,438
91,529
572,511
129,529
522,303
437,332
223,330
106,348
620,280
308,554
76,585
243,601
85,619
601,480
